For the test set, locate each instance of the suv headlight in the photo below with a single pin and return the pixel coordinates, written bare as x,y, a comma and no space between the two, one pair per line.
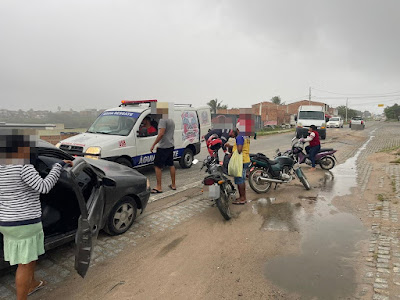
93,152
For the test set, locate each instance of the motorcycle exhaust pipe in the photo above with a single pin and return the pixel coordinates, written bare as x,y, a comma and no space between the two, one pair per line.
271,180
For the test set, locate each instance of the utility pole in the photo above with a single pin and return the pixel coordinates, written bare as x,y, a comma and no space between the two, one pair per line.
347,100
309,96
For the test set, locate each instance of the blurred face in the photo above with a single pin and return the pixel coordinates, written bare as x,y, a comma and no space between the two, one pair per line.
146,122
15,146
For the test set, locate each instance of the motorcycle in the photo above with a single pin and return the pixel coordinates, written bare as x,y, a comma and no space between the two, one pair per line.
325,157
264,172
220,188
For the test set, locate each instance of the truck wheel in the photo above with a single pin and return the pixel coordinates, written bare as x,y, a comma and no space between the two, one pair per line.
124,161
186,160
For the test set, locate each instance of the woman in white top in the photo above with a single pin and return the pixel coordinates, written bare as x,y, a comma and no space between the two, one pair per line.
20,210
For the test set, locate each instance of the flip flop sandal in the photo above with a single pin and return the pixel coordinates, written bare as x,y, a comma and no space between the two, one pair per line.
239,202
170,186
155,191
41,285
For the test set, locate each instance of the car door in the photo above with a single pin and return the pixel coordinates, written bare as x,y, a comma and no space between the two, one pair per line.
90,195
144,143
204,117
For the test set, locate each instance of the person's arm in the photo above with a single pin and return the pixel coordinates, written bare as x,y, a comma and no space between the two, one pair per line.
32,178
161,132
309,138
239,144
239,148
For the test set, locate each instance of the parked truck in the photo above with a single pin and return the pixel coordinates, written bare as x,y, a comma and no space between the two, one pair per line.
311,115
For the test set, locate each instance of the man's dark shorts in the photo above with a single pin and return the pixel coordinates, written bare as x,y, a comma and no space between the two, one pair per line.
164,157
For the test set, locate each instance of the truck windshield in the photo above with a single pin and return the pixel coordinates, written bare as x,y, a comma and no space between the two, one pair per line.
311,115
114,123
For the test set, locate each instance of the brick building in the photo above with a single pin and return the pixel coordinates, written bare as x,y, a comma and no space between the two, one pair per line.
273,114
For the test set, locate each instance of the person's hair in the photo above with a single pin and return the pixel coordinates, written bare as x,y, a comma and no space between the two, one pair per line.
147,118
313,127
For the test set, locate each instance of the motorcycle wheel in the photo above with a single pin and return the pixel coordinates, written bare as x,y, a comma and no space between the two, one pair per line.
223,203
256,184
304,181
327,163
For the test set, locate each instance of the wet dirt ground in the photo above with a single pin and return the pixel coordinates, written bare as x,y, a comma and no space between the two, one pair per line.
287,244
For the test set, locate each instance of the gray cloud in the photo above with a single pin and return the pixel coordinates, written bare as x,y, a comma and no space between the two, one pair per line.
83,54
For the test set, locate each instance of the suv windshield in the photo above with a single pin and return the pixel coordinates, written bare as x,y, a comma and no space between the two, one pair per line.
311,115
114,123
334,119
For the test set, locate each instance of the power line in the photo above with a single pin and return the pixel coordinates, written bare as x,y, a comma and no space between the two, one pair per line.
357,94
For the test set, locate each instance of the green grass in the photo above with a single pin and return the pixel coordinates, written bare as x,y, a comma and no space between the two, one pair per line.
273,131
380,197
391,149
393,183
396,161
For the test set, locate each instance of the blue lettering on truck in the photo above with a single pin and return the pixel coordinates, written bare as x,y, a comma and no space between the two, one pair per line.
147,159
121,113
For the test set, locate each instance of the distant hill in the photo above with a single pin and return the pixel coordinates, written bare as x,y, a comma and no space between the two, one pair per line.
70,118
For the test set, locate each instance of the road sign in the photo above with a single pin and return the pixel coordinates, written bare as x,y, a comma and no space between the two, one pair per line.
381,105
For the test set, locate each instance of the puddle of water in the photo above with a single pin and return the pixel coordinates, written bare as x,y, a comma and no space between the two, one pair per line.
278,216
342,178
323,269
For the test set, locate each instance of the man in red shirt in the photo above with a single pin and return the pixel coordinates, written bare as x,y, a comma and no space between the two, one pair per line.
315,145
147,129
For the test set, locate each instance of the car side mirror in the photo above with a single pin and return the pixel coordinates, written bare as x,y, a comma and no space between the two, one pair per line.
108,182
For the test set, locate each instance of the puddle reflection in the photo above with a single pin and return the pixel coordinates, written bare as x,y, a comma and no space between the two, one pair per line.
281,216
323,269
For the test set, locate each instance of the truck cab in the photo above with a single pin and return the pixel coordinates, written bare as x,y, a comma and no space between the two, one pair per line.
311,115
117,134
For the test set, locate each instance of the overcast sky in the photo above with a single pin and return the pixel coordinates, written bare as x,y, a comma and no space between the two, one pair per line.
92,54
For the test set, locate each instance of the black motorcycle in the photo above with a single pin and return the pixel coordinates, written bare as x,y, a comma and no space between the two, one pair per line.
220,188
264,172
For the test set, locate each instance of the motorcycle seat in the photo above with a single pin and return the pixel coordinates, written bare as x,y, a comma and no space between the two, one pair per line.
262,158
326,149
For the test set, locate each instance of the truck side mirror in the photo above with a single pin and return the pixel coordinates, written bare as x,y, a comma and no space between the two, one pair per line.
295,118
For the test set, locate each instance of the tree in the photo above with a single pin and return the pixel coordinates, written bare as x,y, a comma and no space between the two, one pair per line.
392,112
350,112
276,100
214,104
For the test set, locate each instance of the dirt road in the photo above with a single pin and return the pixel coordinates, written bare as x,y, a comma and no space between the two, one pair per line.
326,243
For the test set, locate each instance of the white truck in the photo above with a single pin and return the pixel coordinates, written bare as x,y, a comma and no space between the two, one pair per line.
311,115
115,136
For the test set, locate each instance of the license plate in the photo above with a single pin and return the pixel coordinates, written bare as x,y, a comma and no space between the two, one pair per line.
213,191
